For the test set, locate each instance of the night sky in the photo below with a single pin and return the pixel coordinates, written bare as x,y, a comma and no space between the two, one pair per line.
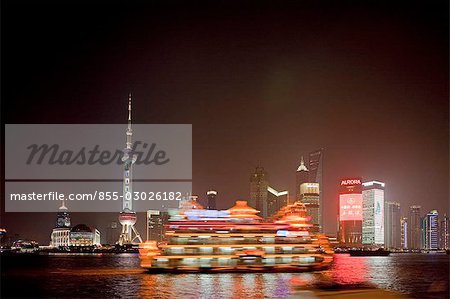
261,84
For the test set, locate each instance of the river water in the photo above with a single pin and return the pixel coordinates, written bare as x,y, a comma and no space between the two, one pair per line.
119,276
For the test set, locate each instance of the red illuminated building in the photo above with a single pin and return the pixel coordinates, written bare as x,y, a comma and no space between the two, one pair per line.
350,212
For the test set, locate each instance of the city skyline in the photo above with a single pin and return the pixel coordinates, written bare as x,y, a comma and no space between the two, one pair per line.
261,94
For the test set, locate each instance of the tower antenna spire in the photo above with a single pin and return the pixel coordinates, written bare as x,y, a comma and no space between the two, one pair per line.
129,110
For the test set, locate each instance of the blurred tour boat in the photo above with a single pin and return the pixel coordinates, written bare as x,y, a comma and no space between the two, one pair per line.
234,240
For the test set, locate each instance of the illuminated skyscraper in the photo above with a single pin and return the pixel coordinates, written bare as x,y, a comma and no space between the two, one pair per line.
350,213
414,228
404,232
316,174
431,231
309,196
211,196
276,200
392,225
258,190
444,232
373,213
301,177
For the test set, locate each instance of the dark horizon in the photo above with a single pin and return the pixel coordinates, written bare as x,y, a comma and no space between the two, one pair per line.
261,85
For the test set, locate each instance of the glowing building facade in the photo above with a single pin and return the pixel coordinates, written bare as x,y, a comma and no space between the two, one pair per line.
310,197
430,231
350,213
301,177
444,232
60,237
316,174
373,213
404,232
83,236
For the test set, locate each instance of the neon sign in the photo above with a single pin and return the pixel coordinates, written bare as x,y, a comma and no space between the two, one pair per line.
350,207
351,182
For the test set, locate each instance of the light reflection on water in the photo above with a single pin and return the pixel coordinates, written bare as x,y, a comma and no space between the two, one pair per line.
420,276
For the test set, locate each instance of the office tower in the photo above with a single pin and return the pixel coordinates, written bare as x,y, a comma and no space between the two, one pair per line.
155,224
316,174
404,232
301,177
414,228
430,231
211,196
373,213
258,191
309,196
276,200
127,217
350,213
392,225
444,233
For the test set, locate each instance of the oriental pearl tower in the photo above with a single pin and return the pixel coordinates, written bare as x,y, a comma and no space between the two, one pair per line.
127,217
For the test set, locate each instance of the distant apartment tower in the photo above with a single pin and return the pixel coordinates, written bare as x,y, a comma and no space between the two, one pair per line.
414,228
309,195
392,225
316,174
211,197
276,200
444,232
258,191
373,213
350,213
155,224
430,229
404,232
301,177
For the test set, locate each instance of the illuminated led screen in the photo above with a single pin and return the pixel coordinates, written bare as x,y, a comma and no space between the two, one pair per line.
350,207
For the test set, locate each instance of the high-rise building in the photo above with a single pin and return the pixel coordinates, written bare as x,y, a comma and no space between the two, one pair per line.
301,177
404,232
430,230
350,213
155,224
276,200
414,228
211,197
373,213
127,217
309,196
61,233
392,225
258,190
444,232
315,176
